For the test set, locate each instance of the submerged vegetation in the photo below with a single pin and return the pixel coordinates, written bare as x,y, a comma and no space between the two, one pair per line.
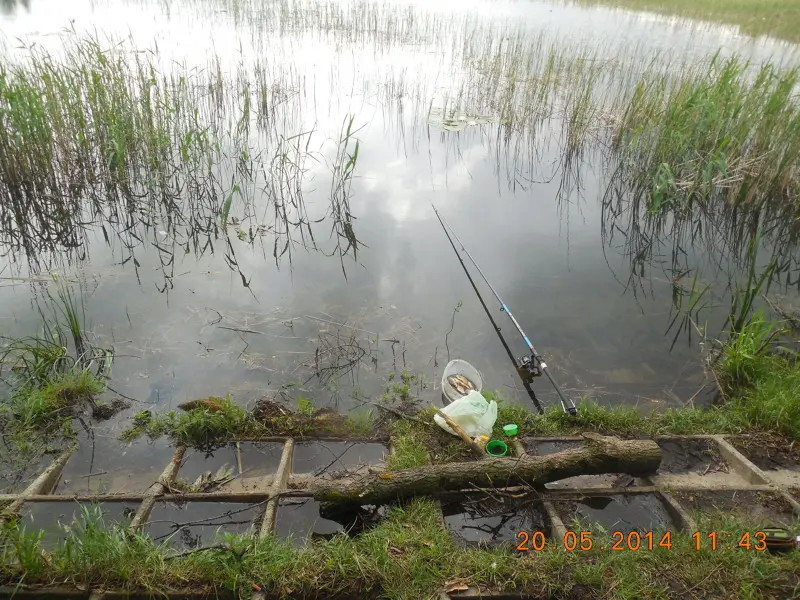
52,376
212,422
760,391
408,555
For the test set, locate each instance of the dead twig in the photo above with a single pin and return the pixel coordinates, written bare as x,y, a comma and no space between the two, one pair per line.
704,579
196,550
226,514
487,492
240,329
92,474
339,324
394,411
691,400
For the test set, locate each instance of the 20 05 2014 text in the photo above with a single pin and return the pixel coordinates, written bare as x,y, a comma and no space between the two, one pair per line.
583,541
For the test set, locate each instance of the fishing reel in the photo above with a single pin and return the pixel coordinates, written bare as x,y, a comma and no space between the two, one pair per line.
528,369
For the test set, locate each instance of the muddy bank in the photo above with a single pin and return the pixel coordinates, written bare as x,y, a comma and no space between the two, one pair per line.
768,451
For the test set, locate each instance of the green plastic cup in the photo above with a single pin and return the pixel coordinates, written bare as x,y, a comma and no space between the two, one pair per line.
496,448
511,429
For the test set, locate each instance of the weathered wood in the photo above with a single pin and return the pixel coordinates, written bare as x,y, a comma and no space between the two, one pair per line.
598,455
476,449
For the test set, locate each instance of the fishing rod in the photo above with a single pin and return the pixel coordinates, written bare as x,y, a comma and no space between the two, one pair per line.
533,365
526,381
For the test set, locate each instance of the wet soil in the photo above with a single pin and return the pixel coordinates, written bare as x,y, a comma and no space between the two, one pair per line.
267,409
17,592
103,412
759,508
769,452
689,454
34,592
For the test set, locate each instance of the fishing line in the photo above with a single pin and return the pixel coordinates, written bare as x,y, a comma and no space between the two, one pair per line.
526,384
533,365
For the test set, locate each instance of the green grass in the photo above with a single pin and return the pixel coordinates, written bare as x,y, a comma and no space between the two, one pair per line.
771,403
717,133
207,428
408,555
200,427
54,374
408,449
762,394
414,443
40,408
777,18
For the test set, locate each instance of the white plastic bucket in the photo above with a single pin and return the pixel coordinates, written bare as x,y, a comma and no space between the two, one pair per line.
459,367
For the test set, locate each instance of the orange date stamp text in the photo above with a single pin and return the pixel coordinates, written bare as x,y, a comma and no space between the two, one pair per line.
583,541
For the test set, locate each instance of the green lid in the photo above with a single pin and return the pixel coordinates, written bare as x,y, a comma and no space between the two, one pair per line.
496,448
511,429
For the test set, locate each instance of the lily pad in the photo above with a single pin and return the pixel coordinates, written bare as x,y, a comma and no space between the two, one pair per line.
456,120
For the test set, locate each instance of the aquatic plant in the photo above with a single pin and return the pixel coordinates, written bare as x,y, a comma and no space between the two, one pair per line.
52,403
401,391
746,355
107,133
52,374
720,140
343,170
361,423
204,427
103,133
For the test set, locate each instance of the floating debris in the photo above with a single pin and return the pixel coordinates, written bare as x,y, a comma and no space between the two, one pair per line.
450,120
208,481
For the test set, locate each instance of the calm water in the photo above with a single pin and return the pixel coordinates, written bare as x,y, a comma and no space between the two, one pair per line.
538,234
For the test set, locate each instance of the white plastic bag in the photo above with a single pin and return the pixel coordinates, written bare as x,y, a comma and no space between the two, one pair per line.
472,413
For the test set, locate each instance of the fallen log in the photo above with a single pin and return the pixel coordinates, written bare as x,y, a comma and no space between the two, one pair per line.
599,454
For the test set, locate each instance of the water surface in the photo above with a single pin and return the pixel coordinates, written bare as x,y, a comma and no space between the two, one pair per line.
192,323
